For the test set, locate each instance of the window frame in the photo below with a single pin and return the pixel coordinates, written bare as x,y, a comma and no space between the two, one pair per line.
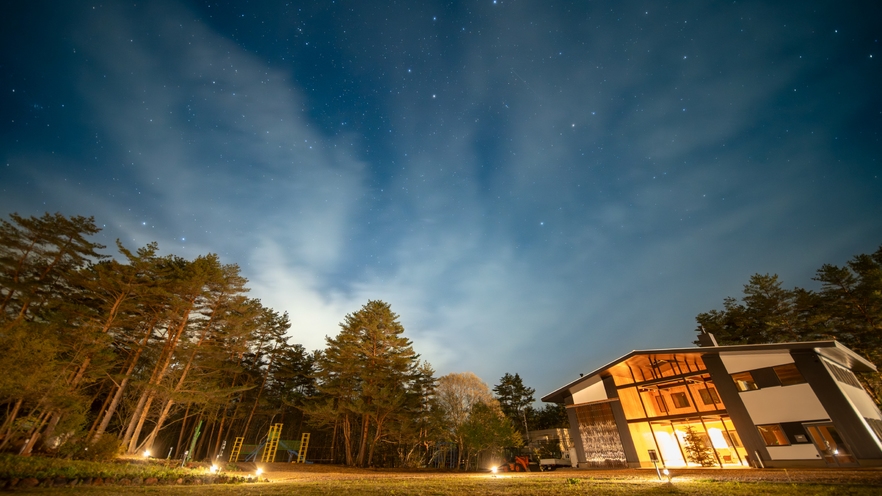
775,430
709,396
680,400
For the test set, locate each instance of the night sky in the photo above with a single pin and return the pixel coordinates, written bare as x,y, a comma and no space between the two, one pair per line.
535,187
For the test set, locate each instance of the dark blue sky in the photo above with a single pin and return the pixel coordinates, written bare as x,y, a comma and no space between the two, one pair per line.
536,187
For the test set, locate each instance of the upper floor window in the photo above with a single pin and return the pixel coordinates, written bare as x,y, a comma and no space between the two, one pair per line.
773,435
709,396
744,381
789,374
680,400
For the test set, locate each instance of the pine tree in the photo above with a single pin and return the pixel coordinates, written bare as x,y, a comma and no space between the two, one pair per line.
364,374
515,400
697,449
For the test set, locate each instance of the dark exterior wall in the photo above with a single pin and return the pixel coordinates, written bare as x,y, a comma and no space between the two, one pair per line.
621,422
744,425
845,419
574,429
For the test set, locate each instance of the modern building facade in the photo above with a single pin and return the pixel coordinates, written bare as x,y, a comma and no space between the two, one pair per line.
771,405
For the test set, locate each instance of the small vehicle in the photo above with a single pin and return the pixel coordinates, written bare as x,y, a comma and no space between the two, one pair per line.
517,460
546,464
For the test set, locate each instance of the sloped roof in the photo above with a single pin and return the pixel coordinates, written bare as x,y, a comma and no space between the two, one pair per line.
831,349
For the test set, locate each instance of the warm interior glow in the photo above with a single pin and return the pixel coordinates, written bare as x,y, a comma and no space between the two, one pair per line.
670,450
716,436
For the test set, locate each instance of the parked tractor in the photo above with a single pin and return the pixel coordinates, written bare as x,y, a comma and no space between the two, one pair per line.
518,460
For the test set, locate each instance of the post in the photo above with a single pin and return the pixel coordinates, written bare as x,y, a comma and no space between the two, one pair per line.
653,456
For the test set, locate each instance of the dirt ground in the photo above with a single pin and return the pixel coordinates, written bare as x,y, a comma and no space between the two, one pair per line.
278,479
287,472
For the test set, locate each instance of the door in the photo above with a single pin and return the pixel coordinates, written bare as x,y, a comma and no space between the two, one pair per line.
830,445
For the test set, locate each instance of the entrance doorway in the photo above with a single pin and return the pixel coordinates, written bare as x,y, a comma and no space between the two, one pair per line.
830,445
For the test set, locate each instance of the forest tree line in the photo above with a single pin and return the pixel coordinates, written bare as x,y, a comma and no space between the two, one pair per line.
847,307
105,355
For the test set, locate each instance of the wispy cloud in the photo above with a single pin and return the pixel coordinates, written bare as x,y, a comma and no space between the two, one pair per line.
547,190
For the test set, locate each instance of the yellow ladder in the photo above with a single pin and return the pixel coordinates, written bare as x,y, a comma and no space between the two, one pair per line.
272,443
237,447
304,443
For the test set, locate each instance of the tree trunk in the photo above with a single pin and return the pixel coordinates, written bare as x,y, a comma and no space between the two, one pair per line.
160,422
34,435
183,429
334,439
260,391
220,435
6,429
117,397
347,438
159,373
365,425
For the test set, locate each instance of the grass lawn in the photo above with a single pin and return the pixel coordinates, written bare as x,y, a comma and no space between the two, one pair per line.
576,482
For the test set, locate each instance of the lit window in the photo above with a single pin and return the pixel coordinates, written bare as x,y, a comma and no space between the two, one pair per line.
709,396
744,381
773,435
789,374
660,401
680,400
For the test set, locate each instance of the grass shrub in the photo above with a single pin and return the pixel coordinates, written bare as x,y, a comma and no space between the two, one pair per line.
13,466
106,449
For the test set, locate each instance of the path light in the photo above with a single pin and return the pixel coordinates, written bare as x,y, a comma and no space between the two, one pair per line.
259,471
146,453
214,468
494,469
667,474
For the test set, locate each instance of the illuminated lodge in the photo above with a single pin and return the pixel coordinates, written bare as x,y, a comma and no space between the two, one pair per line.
772,405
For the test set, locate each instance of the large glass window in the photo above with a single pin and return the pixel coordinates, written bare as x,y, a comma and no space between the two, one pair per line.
643,441
703,393
668,443
773,435
661,403
631,403
724,444
654,403
645,368
709,396
744,381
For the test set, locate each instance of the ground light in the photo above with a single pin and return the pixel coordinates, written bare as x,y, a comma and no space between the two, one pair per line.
214,468
146,453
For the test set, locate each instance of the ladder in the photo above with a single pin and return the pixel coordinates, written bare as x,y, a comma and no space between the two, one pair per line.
237,447
304,443
272,443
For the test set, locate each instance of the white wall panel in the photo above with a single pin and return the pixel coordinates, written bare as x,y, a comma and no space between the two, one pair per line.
783,404
594,392
794,452
861,401
749,361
